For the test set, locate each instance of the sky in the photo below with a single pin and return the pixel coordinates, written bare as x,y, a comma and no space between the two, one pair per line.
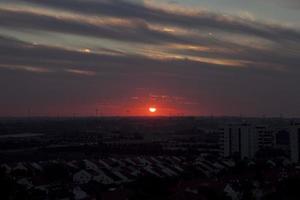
120,57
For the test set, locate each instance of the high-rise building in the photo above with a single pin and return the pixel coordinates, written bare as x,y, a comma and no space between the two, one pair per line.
245,140
266,137
295,142
282,139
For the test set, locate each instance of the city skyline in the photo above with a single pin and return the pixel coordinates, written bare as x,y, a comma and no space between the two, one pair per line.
122,57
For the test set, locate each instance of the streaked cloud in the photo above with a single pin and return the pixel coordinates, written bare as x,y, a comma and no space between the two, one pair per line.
81,72
117,45
25,68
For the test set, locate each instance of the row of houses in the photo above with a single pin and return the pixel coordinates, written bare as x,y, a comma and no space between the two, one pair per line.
51,176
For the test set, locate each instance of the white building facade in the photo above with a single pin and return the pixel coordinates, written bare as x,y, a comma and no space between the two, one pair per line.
245,140
294,142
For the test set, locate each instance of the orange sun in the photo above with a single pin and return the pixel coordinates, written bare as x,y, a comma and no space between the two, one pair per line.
152,109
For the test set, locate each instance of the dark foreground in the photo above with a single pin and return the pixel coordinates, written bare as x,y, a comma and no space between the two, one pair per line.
139,158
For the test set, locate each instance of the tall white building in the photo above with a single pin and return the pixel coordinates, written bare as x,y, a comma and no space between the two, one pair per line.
245,139
295,142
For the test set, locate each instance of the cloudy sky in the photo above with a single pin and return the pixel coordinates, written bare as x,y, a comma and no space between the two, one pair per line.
192,57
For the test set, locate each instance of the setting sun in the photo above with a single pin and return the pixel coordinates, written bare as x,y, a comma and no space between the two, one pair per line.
152,109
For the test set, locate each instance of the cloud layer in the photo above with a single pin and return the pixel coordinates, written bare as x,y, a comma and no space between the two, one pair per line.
93,51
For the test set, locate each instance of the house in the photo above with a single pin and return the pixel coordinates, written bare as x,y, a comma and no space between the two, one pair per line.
91,166
36,166
231,192
25,182
6,168
82,177
103,179
21,167
79,194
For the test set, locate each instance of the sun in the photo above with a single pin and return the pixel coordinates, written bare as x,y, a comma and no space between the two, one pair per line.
152,109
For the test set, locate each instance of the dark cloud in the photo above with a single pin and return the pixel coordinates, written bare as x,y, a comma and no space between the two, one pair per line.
137,32
212,85
127,9
22,53
215,72
140,33
277,58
